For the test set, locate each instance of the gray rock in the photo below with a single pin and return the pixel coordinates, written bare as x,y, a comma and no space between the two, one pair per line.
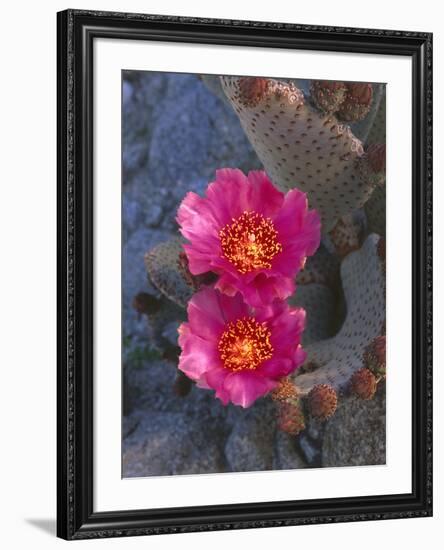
155,203
170,332
172,443
169,315
141,92
127,92
135,154
286,454
315,428
129,424
195,134
154,215
356,434
310,449
131,216
150,388
250,445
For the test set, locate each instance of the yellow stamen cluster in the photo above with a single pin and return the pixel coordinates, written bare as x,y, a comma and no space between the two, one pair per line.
245,344
250,242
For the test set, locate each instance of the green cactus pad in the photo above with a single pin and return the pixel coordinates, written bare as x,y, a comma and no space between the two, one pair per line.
339,357
302,147
163,267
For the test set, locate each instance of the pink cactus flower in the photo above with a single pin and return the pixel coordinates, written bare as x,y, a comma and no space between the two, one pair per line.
238,351
250,234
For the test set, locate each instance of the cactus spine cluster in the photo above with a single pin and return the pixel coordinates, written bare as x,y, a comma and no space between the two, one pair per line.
322,401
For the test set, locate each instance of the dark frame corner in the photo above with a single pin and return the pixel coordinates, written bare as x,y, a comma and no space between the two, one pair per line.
76,32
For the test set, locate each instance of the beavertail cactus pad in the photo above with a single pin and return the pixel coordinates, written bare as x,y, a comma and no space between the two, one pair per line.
166,269
338,358
301,146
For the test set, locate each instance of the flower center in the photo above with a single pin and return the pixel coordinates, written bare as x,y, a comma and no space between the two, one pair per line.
250,242
245,344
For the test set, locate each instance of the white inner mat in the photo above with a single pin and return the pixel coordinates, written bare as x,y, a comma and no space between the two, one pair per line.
111,492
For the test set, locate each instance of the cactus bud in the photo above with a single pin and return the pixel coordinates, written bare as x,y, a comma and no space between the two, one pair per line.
327,95
291,417
284,390
252,90
357,102
363,384
375,356
145,304
322,401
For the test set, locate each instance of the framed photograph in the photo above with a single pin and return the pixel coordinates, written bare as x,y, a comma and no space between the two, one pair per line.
245,274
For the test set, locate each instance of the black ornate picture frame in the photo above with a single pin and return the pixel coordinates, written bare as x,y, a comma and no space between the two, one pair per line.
76,32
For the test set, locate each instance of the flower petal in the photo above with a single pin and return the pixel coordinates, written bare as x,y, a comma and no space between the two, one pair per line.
291,216
204,314
245,387
265,198
198,261
287,328
277,368
209,313
198,355
195,217
264,289
232,308
296,225
300,356
229,195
